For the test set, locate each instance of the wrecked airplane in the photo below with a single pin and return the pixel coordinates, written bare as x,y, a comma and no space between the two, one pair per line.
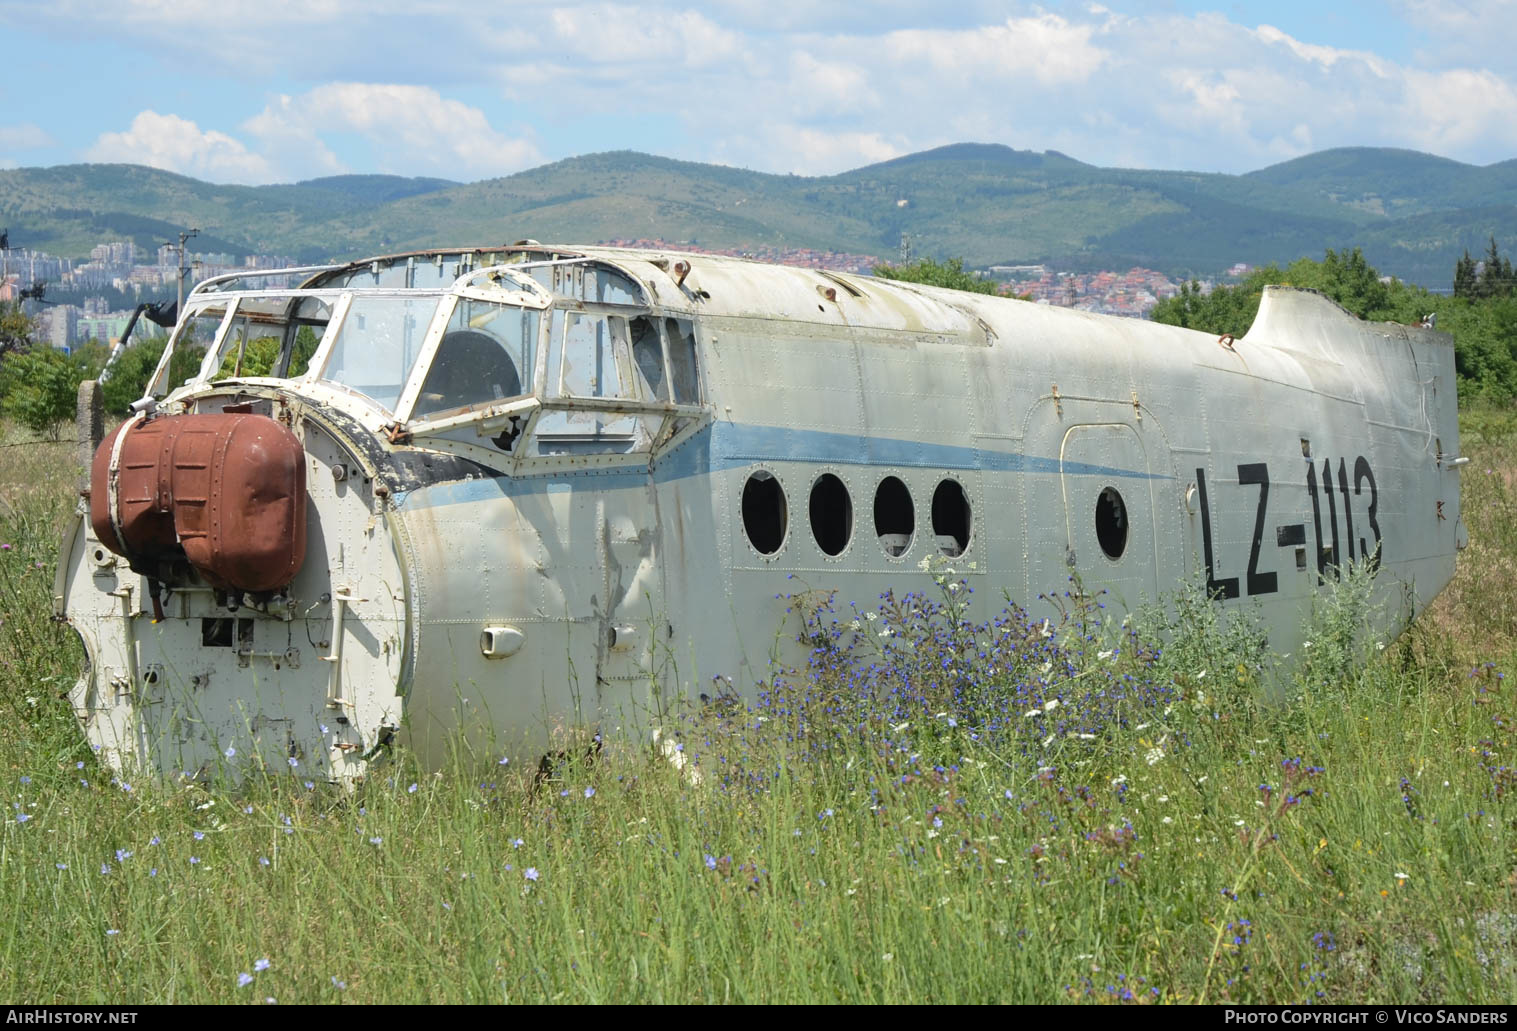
495,491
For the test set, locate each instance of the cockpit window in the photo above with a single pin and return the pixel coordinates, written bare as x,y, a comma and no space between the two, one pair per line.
583,281
592,354
195,335
648,356
486,354
272,337
687,381
377,344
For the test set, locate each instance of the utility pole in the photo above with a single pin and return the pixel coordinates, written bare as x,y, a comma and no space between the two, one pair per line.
182,269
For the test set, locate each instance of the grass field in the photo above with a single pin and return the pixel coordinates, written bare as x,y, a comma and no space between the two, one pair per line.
915,824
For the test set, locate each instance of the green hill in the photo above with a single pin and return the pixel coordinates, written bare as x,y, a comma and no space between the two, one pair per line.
1414,214
1386,182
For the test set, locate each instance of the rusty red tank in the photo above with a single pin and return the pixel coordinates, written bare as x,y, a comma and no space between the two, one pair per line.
226,492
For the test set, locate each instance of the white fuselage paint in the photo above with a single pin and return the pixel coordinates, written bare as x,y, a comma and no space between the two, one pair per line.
626,582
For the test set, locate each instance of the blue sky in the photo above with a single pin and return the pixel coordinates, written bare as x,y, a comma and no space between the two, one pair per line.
256,91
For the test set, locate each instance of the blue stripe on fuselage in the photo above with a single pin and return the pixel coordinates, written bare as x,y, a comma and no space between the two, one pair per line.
726,445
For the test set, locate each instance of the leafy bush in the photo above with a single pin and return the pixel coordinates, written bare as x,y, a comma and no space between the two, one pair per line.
950,274
41,388
129,377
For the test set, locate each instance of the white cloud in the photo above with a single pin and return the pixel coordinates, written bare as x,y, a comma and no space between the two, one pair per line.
1448,111
619,34
413,129
809,151
1050,49
24,137
179,145
1323,55
829,88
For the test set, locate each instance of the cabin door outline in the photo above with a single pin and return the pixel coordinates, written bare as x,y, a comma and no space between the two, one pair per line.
633,621
1095,458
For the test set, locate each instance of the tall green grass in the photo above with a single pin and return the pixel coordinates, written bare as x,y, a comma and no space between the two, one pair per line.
1353,842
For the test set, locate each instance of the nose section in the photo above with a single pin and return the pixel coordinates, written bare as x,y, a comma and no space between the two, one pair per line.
240,588
225,493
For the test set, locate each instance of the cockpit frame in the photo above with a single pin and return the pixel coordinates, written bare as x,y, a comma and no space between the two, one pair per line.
647,405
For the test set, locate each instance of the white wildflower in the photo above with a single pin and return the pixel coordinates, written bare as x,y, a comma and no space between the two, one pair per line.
1153,756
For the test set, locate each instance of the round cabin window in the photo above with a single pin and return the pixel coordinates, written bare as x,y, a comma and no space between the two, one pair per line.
950,518
764,515
1111,523
831,514
894,517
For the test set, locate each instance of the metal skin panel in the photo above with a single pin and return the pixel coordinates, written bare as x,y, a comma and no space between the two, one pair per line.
625,581
1126,565
206,688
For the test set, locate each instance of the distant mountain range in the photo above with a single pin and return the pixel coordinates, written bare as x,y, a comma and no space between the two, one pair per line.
1413,214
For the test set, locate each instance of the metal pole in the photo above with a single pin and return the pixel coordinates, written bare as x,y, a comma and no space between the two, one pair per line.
182,269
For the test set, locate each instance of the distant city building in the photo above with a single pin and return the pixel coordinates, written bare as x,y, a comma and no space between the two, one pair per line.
1132,293
62,325
105,327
